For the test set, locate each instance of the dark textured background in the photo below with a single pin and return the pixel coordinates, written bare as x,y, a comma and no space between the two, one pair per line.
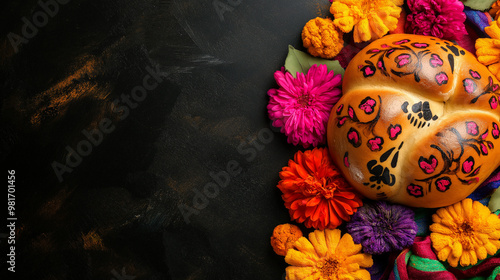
116,215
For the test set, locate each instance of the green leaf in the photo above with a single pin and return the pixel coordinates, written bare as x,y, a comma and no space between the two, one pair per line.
481,5
298,61
494,203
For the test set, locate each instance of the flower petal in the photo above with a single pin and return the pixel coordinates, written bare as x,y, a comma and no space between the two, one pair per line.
304,246
452,260
362,32
456,249
347,247
298,273
444,253
318,240
332,237
440,241
297,258
378,26
364,260
440,228
361,274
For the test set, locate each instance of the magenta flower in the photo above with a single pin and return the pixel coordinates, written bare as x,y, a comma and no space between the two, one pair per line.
439,18
301,106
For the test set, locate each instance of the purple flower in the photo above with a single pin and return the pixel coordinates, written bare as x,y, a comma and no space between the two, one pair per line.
439,18
382,227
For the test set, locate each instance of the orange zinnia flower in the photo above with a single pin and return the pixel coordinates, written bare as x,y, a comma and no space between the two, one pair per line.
327,255
314,191
465,232
370,19
488,49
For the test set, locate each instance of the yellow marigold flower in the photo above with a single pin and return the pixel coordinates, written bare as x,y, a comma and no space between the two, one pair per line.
495,9
488,49
371,19
322,38
327,256
466,231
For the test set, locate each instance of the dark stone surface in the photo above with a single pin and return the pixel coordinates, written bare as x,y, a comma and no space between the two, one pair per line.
116,215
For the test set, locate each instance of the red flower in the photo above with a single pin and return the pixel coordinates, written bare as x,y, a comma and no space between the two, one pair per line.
314,191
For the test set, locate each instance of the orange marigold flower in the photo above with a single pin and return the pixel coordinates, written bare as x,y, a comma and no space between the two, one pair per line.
314,191
322,38
466,231
495,10
327,256
371,19
284,236
488,49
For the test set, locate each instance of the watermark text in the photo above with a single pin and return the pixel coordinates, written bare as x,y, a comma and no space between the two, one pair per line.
11,220
223,6
39,19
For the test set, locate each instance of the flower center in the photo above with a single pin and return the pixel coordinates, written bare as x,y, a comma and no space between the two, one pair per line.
310,186
466,235
466,229
382,226
304,100
367,7
328,268
328,190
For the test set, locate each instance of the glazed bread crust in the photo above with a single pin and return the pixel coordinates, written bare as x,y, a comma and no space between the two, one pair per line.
418,123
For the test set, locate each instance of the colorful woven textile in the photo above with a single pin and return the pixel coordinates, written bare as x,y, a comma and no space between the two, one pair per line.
478,19
420,263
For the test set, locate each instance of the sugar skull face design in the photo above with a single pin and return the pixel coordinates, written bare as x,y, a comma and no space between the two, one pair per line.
418,123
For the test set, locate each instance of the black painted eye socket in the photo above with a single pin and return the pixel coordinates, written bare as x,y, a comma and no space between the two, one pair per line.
422,111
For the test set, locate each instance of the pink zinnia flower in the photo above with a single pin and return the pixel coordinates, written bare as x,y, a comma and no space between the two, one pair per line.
301,106
439,18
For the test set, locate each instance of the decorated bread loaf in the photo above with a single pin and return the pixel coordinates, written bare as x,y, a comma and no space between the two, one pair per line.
418,123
